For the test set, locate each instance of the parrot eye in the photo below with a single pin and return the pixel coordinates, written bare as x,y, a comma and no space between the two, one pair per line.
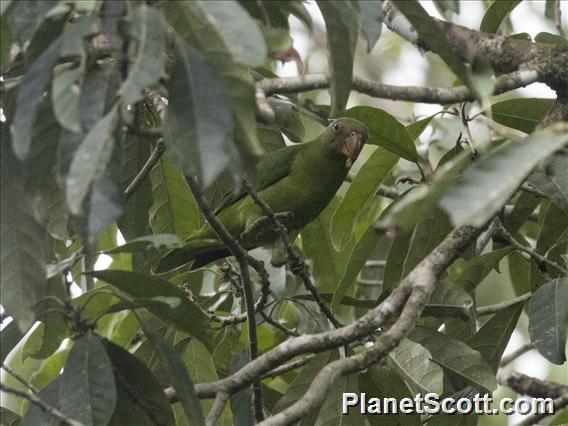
336,127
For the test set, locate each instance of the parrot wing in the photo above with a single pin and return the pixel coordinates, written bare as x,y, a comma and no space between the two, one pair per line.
269,170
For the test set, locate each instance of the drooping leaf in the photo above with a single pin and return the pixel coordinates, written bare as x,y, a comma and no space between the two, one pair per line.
477,269
147,28
361,191
140,397
495,14
22,268
385,131
198,125
548,319
371,16
240,32
187,316
87,390
485,187
342,26
522,114
493,337
465,364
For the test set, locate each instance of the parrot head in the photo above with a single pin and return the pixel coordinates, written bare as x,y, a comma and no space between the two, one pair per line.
348,136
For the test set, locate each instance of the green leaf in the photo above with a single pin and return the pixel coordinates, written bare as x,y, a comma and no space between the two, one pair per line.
194,25
385,131
412,362
548,38
65,96
493,337
87,392
495,14
22,261
477,269
10,336
381,382
548,319
395,260
177,374
449,300
552,179
371,16
147,28
198,124
174,210
435,37
29,98
35,415
140,397
200,366
522,114
155,241
27,16
331,410
485,187
415,129
90,161
465,364
361,191
445,5
342,26
187,316
239,31
524,206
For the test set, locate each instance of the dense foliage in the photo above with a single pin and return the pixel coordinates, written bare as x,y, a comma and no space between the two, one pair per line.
120,119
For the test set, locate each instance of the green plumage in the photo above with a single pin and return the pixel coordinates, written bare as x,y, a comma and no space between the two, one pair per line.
300,179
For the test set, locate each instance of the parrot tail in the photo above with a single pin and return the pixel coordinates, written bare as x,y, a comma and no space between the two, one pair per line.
199,251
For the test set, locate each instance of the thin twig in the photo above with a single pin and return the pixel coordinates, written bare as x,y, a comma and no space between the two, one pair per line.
34,399
493,309
20,379
300,362
154,157
217,408
277,325
243,258
297,265
506,360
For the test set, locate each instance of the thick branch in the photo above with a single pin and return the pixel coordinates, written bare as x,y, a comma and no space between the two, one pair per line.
526,385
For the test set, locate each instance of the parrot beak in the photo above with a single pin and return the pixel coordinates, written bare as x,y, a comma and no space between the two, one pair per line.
350,148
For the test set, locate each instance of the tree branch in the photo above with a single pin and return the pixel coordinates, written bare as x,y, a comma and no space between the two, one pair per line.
217,408
526,385
154,157
493,309
506,360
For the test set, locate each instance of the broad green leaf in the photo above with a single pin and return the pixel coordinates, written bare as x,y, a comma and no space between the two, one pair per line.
172,363
140,397
412,362
147,28
465,363
187,316
27,16
381,382
330,413
449,300
29,98
371,16
552,179
395,260
415,129
198,125
477,269
445,5
174,210
241,401
200,366
342,26
10,335
485,187
239,31
65,95
435,37
22,261
35,415
493,337
156,241
90,161
548,319
193,24
522,114
361,191
385,131
87,390
495,14
520,273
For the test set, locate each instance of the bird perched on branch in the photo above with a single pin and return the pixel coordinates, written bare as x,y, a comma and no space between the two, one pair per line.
297,182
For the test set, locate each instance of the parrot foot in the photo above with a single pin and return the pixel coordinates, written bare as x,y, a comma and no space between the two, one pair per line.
264,221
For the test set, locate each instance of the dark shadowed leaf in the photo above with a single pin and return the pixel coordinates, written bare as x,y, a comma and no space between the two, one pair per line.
522,114
240,32
10,336
65,95
22,268
552,179
198,125
485,187
548,319
147,28
495,14
449,300
342,26
492,339
35,415
385,131
87,391
187,316
371,16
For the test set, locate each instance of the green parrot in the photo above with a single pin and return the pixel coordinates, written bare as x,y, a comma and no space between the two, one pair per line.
296,181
